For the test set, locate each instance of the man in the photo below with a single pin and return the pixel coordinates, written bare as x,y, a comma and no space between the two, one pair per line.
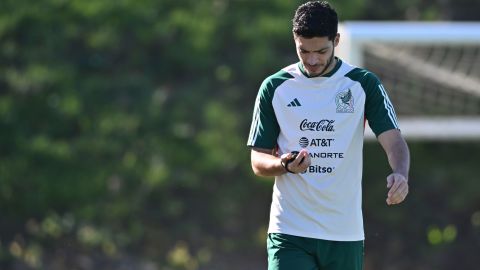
318,107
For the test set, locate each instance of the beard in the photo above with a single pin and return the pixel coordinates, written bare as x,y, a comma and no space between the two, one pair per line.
320,69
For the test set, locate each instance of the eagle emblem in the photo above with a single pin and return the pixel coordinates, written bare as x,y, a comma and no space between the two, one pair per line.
344,101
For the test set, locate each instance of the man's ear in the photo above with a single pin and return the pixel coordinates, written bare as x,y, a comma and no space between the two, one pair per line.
336,40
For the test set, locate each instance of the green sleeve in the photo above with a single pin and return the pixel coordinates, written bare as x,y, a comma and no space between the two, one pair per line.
265,129
379,110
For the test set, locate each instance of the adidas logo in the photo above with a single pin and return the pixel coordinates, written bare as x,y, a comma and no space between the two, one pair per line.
294,103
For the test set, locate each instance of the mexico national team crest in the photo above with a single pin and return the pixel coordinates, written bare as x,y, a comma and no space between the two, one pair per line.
344,101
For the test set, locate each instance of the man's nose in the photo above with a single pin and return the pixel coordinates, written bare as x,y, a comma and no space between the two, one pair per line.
312,60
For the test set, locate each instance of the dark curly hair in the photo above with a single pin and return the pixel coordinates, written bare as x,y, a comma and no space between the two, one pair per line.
315,19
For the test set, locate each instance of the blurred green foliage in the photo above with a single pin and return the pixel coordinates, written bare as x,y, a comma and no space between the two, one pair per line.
122,140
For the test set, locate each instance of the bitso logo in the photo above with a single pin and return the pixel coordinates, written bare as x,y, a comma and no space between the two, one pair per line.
344,101
303,142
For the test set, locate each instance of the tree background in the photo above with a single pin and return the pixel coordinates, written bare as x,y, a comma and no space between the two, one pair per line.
123,127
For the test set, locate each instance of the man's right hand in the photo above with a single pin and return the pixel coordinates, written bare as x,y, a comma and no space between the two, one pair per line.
299,164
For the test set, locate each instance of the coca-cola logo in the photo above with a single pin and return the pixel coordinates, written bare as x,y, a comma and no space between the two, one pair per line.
322,125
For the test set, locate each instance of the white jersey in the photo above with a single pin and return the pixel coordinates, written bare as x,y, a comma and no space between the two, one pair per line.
325,115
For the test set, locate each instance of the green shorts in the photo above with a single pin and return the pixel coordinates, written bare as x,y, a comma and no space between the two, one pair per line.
287,252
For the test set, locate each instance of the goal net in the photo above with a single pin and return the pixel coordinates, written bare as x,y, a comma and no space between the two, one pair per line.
431,71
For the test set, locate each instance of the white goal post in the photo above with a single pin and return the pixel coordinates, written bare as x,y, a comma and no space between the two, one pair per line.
431,69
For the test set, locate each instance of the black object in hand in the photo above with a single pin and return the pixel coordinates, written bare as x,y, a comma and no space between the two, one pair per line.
294,156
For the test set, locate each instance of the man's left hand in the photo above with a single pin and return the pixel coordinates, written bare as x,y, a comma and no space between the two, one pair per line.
398,186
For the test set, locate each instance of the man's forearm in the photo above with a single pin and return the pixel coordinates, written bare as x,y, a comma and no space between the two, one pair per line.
397,151
265,164
399,158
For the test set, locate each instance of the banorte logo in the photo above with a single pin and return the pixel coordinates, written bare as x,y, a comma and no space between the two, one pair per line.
322,125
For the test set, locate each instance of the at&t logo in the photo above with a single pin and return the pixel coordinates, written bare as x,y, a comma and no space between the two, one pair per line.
321,142
303,142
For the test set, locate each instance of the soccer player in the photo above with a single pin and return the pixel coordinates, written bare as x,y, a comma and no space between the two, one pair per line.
307,131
